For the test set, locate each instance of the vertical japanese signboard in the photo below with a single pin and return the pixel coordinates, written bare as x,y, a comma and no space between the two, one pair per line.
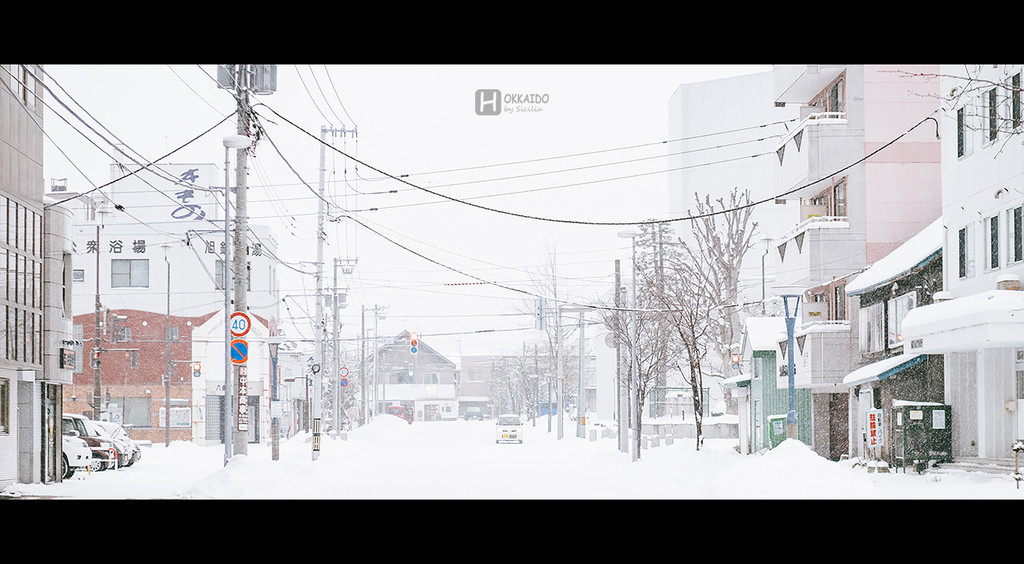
874,428
242,417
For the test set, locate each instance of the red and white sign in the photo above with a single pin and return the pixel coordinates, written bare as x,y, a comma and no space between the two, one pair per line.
240,324
874,430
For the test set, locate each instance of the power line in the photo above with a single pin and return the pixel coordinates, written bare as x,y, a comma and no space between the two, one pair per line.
622,223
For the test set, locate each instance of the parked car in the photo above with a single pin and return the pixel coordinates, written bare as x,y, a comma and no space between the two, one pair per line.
509,429
473,413
76,455
104,454
401,411
117,433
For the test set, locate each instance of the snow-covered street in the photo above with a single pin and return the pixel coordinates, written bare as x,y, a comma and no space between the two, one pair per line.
390,459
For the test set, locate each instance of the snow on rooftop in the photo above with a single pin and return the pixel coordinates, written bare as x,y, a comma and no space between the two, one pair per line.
906,257
764,333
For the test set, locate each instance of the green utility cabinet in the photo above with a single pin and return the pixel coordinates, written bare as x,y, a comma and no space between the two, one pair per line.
923,433
776,429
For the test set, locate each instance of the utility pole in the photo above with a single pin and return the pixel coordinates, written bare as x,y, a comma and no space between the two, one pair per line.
558,366
260,79
619,387
240,400
97,391
318,354
336,359
581,404
362,367
169,368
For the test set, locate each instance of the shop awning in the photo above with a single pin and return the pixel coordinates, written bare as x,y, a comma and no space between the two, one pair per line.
992,319
882,369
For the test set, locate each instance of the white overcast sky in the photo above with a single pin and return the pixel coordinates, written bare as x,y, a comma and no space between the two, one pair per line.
593,153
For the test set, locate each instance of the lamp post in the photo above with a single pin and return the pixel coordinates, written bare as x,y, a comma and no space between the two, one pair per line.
790,297
634,363
227,418
97,345
169,365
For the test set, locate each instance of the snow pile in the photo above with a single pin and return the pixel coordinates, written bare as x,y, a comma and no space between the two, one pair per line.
791,471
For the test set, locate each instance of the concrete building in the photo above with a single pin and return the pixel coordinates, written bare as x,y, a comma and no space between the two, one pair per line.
35,335
980,329
863,163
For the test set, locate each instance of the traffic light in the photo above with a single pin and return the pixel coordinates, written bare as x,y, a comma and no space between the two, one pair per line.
735,361
414,343
95,359
196,369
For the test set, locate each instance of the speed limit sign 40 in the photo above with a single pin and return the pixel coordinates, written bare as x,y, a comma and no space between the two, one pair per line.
239,324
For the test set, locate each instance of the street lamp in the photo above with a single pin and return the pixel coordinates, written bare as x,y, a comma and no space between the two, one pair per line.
791,299
634,372
227,417
168,364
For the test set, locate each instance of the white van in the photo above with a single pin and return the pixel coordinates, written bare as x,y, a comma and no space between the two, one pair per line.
509,429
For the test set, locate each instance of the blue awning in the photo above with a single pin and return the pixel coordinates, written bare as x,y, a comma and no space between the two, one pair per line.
882,369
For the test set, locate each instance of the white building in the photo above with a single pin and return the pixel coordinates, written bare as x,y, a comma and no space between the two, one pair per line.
980,331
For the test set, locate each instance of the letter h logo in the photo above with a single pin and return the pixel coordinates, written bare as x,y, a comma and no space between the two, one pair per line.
488,102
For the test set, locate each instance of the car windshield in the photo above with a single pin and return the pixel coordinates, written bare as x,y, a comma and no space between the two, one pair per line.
508,420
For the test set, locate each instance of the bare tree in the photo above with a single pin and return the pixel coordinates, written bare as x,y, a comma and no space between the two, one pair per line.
722,235
689,301
698,290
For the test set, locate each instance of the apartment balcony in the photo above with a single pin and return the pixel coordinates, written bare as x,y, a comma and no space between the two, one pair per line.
799,84
820,145
825,355
818,250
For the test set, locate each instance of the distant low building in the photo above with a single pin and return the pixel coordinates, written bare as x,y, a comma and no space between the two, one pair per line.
413,374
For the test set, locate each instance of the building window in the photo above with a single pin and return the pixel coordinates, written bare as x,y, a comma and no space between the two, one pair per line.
992,115
5,406
964,145
78,275
839,303
129,273
1014,236
171,333
839,199
898,308
965,252
1015,108
992,257
835,97
870,328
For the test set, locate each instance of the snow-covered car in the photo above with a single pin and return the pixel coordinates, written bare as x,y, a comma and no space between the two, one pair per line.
117,433
401,411
509,429
76,455
104,453
473,413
